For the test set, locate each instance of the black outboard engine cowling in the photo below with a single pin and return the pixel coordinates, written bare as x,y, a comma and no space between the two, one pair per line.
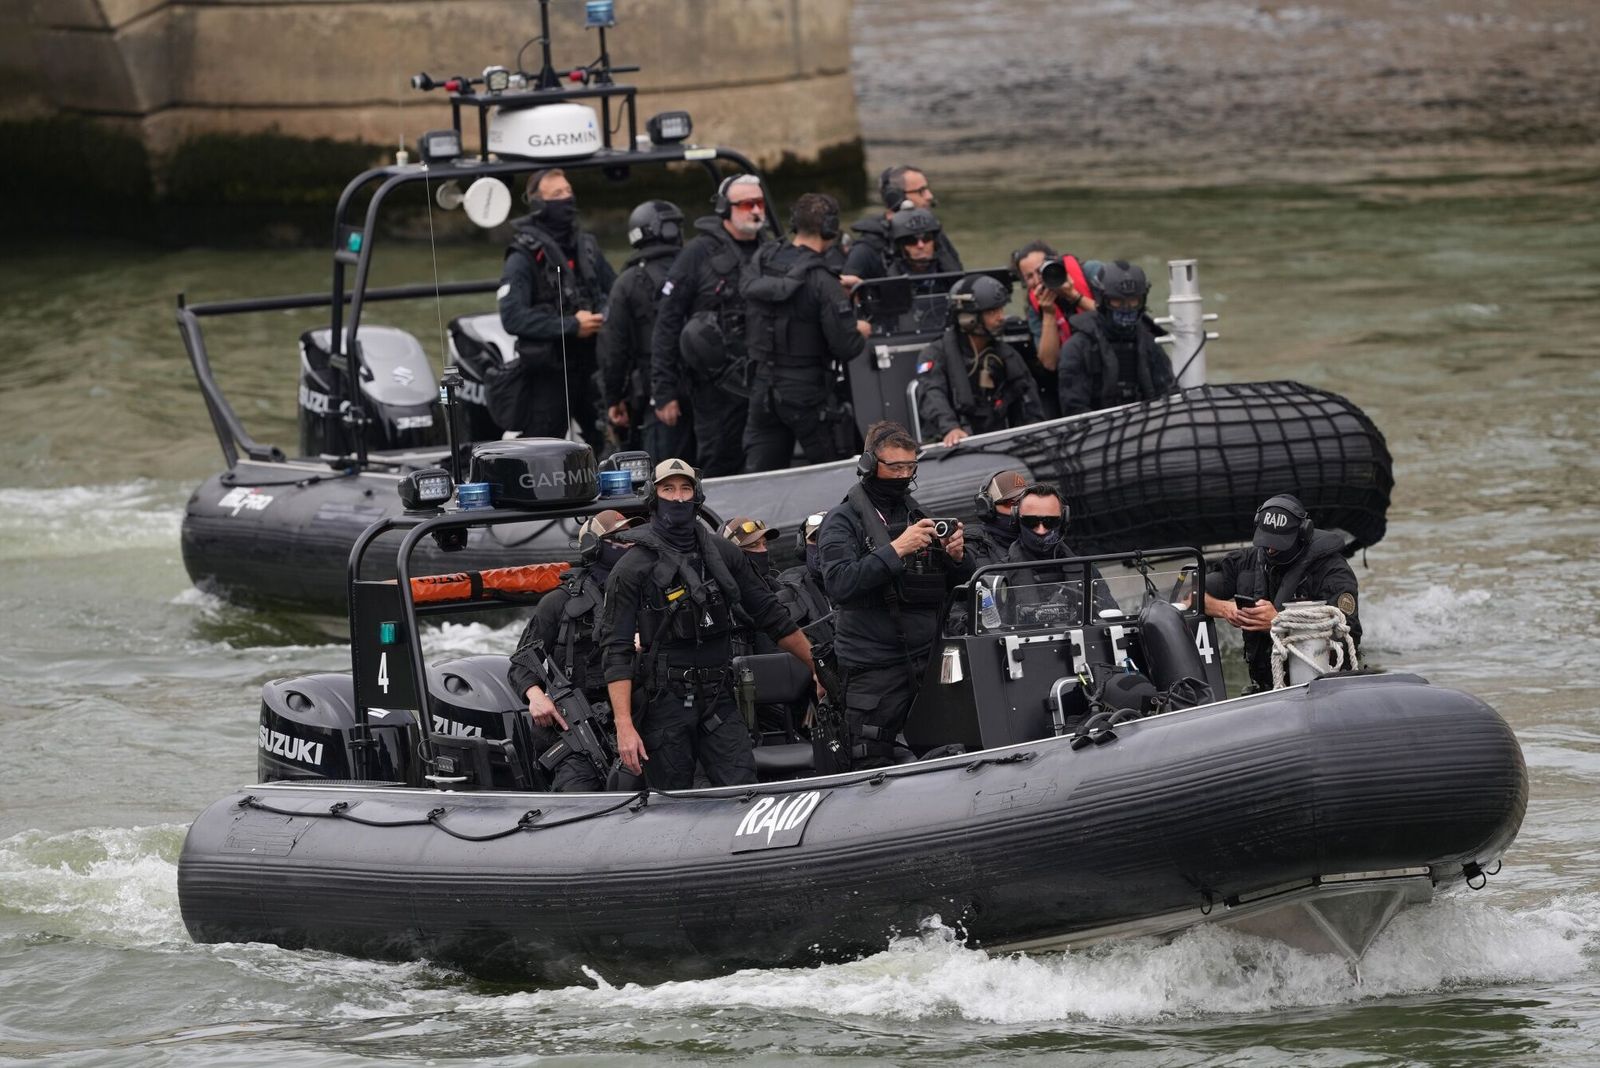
397,383
309,723
534,471
479,346
472,698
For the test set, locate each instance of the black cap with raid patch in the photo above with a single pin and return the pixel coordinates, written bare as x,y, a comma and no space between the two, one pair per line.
1280,523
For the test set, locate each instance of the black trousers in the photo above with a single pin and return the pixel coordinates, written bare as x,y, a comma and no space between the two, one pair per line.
718,429
707,729
552,396
877,701
786,409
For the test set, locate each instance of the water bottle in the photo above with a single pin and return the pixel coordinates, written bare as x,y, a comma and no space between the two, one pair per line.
986,609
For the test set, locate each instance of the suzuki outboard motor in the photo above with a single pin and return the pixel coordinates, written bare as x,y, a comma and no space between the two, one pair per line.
398,385
472,698
308,726
479,346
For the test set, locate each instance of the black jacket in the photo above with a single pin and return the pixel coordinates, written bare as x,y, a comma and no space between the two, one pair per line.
801,592
797,315
886,612
1087,376
623,345
542,288
686,630
567,621
951,398
705,275
1321,573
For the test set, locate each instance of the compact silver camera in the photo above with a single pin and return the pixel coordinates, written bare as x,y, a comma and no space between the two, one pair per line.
943,528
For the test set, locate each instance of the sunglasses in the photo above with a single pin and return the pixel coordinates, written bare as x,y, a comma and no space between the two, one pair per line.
1049,522
919,239
753,204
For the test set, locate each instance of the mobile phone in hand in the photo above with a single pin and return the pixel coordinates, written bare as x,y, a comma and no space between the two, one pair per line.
1241,601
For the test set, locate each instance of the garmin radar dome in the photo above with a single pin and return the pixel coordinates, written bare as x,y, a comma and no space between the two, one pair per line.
548,131
532,472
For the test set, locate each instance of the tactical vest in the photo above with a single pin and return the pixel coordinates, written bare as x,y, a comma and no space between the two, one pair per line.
806,590
921,583
576,285
681,606
774,333
1252,580
1102,363
974,403
578,634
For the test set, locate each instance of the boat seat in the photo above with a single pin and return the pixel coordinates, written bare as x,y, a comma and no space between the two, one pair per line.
477,341
783,760
1171,656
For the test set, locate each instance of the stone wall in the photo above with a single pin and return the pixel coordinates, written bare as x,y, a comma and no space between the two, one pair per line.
769,77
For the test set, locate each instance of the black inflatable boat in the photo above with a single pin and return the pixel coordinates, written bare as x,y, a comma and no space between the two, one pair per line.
401,813
275,531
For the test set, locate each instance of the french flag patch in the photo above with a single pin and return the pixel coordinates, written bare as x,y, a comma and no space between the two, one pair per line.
924,367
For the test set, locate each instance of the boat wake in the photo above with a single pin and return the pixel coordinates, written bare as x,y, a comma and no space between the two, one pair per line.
73,521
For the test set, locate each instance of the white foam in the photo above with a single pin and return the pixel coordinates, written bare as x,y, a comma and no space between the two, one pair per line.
106,884
1429,618
82,520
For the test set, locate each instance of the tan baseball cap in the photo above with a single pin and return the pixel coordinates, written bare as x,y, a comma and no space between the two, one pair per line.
1006,486
745,532
667,468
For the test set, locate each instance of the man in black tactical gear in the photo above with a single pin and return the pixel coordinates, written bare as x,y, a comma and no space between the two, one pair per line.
801,329
996,507
1112,357
901,186
800,587
1290,560
890,577
674,594
566,624
913,253
553,292
1041,528
655,230
699,336
973,382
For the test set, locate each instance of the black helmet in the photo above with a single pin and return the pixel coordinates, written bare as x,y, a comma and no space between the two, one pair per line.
973,295
909,222
1123,280
655,222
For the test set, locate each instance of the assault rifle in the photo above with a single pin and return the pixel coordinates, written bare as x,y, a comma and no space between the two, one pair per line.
586,734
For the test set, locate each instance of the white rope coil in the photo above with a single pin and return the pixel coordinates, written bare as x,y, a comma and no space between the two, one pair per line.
1301,624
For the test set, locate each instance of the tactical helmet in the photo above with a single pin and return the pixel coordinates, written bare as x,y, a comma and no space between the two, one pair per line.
973,295
655,222
600,526
910,222
1120,280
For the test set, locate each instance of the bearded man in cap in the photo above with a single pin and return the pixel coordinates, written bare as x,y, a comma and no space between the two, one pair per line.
1290,560
666,636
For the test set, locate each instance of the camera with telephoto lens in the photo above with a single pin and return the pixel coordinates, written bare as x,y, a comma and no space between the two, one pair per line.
1053,273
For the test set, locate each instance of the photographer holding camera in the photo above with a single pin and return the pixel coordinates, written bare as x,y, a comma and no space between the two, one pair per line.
888,571
1058,288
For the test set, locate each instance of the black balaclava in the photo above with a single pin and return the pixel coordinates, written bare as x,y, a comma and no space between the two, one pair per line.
674,522
889,494
1039,546
1002,529
760,563
606,559
560,217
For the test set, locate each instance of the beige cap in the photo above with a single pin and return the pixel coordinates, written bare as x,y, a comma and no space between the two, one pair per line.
667,468
745,532
1006,486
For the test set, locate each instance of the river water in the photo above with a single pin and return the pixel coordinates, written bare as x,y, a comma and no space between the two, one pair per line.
1456,304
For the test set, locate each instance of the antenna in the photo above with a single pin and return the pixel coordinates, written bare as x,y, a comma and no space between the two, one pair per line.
548,79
